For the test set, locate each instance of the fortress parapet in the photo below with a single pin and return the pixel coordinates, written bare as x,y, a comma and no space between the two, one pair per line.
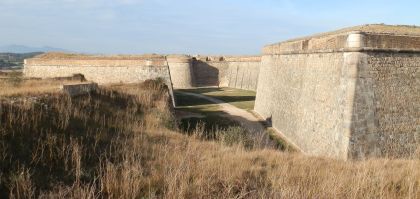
356,39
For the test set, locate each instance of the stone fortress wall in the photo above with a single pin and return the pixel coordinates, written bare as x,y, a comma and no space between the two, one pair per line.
178,71
227,71
100,69
349,94
181,71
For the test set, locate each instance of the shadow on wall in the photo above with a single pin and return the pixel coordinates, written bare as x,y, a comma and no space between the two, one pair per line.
205,74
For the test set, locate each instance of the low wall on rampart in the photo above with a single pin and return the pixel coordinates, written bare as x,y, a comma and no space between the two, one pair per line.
350,94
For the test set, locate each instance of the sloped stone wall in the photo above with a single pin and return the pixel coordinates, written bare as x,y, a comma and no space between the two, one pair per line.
351,95
181,70
243,75
103,70
303,96
233,72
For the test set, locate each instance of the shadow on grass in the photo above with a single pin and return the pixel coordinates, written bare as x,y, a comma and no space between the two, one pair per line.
211,122
216,121
218,93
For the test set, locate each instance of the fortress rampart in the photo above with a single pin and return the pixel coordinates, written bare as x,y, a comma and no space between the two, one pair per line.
181,71
347,94
178,71
100,69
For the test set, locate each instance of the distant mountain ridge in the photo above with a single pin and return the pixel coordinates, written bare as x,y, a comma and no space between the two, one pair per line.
28,49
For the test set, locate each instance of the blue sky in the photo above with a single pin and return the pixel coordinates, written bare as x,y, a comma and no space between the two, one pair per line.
186,26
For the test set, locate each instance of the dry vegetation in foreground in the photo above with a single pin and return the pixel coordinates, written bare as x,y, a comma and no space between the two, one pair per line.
121,142
13,84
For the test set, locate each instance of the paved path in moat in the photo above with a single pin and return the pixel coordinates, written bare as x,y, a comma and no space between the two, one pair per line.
243,117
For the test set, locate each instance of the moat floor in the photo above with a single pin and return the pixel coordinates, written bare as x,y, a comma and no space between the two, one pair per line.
243,117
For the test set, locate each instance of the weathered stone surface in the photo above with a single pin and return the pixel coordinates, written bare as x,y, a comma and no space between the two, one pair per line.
228,71
345,94
100,69
386,110
79,88
303,95
180,67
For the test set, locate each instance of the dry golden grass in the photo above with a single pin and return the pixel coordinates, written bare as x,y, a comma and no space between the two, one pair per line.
61,55
121,142
11,86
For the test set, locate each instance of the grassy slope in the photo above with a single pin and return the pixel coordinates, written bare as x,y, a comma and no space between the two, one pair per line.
118,143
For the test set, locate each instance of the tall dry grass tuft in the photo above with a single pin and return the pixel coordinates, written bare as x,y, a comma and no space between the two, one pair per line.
21,185
120,142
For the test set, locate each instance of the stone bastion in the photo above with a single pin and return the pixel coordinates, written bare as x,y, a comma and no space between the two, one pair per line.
353,93
347,94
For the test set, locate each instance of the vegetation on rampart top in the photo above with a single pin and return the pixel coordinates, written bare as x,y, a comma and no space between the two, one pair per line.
60,55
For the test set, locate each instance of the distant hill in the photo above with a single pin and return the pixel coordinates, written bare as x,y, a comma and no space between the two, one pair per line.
27,49
15,60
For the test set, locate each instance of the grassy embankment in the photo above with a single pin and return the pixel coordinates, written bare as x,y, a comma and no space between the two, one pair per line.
122,142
